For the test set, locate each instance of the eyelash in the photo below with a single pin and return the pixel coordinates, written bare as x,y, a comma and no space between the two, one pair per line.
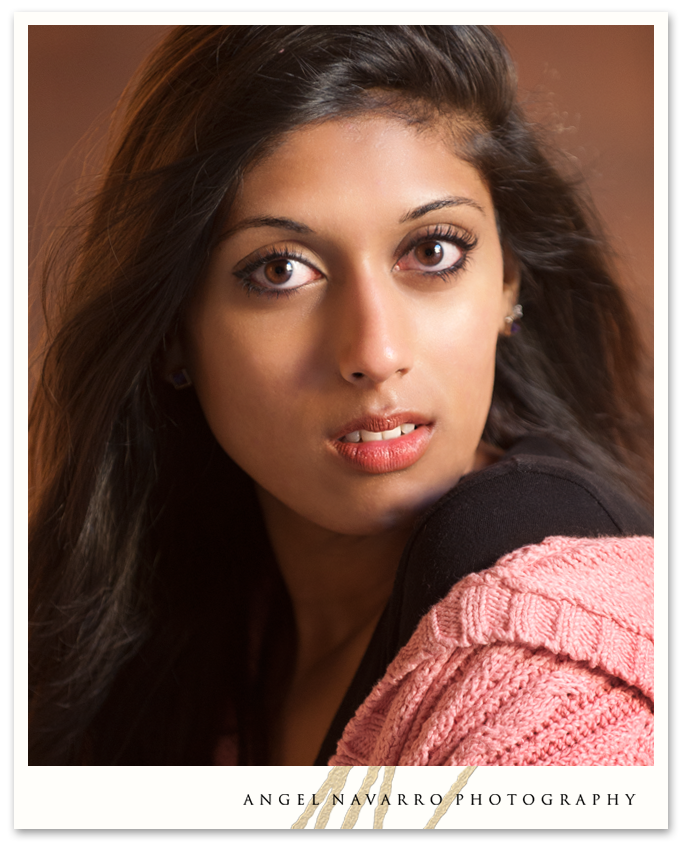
269,255
462,239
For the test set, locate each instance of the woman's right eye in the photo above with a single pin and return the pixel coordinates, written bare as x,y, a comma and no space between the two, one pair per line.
276,274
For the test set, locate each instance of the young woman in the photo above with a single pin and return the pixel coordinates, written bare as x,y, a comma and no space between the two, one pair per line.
336,445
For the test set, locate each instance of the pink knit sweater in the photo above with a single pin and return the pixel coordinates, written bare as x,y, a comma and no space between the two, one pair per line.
544,659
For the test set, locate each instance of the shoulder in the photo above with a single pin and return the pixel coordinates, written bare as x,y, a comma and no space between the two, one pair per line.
546,658
534,493
589,599
524,498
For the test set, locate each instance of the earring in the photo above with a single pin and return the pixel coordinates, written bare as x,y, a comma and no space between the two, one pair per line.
180,379
512,321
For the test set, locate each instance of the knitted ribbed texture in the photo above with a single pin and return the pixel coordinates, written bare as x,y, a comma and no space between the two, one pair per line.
544,659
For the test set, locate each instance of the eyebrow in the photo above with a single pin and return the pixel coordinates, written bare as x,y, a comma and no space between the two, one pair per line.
267,221
440,204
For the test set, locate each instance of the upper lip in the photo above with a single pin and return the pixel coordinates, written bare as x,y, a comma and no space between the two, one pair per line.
378,422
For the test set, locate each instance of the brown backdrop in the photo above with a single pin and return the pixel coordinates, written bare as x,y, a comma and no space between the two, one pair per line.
593,84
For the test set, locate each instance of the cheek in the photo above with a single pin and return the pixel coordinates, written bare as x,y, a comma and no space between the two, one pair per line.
246,378
462,347
463,343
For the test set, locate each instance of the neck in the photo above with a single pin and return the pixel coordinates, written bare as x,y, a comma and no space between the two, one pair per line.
338,584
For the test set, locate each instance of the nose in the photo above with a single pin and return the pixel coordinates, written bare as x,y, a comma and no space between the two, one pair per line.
374,333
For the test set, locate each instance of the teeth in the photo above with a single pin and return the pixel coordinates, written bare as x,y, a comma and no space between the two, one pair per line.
372,436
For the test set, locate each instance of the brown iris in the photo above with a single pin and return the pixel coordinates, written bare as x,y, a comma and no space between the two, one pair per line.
429,253
278,271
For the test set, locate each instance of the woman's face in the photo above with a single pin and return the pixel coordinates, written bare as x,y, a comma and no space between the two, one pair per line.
342,343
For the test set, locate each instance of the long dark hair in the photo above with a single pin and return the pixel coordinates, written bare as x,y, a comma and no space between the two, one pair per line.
154,597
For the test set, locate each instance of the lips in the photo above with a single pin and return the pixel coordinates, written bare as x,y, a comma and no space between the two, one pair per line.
378,444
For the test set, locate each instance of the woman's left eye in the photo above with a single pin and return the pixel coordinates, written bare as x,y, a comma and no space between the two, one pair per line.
432,255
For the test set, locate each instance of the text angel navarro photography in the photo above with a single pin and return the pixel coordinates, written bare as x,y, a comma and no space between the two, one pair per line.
336,799
549,798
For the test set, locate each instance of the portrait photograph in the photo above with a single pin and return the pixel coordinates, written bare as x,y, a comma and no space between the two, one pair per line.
340,385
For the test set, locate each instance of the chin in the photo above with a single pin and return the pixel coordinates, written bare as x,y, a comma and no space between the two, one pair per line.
378,516
368,526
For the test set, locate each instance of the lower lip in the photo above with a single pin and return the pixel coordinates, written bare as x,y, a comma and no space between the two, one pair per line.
387,455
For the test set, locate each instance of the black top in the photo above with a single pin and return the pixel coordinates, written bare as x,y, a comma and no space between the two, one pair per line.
534,492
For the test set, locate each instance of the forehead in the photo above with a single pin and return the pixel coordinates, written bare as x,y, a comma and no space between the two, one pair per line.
382,158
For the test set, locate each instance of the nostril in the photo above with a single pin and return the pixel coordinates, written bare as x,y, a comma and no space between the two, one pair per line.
358,375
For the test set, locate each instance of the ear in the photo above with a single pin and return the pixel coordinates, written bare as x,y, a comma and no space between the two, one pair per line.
171,365
511,282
